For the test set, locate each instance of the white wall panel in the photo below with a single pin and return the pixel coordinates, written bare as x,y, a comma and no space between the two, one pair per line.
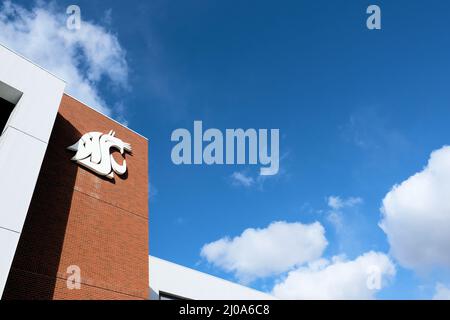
22,144
16,165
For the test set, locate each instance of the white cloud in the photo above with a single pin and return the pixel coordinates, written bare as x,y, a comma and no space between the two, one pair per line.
416,216
442,292
241,179
361,278
257,180
82,57
265,252
337,205
336,202
336,219
370,130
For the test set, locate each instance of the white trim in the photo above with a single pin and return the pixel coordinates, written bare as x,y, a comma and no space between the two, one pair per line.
170,278
108,117
30,61
69,95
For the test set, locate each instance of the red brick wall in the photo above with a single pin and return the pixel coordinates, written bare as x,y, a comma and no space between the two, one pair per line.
78,218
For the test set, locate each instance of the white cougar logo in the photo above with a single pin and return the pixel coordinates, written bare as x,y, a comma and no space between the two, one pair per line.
93,151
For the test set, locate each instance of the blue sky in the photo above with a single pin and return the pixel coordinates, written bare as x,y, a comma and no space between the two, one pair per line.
358,111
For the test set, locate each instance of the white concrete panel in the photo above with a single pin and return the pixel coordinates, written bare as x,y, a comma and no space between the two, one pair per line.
187,283
41,94
24,140
8,240
18,155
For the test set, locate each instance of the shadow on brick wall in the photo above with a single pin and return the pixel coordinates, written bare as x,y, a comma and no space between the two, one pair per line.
34,273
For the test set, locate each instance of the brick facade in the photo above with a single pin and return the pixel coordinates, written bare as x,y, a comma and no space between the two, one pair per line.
78,218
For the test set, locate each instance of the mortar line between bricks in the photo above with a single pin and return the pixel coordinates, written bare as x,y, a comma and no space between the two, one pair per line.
85,284
111,204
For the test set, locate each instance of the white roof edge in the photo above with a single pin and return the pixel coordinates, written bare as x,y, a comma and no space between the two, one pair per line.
52,74
32,62
193,270
211,276
108,117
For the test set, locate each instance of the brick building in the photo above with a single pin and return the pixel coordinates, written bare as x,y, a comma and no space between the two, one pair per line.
75,218
74,214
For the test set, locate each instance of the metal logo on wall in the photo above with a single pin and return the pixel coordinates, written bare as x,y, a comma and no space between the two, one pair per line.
94,151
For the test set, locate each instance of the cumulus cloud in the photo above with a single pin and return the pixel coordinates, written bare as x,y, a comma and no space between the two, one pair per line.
416,216
265,252
241,179
442,292
82,57
361,278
